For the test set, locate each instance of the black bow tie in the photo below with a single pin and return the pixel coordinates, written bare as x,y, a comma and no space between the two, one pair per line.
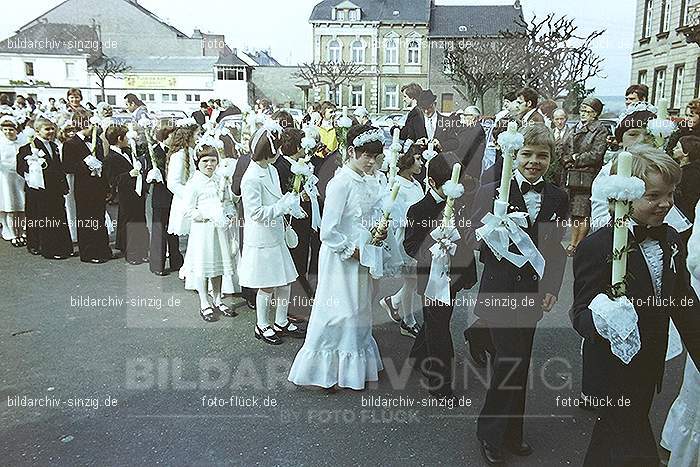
527,186
643,232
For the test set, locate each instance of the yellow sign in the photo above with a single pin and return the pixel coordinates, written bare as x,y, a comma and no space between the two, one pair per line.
150,82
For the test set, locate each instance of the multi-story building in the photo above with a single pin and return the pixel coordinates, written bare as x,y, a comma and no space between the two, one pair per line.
664,56
168,69
387,37
458,26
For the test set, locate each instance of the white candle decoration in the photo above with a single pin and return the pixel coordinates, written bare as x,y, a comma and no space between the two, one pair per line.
449,205
620,233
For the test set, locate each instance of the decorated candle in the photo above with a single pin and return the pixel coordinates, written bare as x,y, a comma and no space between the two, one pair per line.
345,111
94,139
431,146
396,136
449,205
663,108
620,233
394,194
507,171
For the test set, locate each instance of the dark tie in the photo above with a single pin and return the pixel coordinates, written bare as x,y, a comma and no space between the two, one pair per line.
643,232
527,186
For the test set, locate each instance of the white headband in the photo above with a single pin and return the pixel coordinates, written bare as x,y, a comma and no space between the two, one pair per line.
370,136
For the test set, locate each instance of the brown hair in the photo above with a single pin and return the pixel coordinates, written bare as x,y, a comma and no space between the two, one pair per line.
529,95
290,141
205,151
538,135
181,140
694,106
691,147
114,133
74,92
641,90
412,90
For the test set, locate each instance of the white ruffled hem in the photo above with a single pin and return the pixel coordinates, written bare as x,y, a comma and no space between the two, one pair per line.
326,368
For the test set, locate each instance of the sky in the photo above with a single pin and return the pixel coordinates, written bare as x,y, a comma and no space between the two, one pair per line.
282,26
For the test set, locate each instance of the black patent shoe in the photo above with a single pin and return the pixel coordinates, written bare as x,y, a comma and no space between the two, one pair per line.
492,456
226,311
296,319
520,449
272,340
208,317
250,302
296,333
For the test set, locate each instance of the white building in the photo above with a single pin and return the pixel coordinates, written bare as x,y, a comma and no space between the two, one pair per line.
168,69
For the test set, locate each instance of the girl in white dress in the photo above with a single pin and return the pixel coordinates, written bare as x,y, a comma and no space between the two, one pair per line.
400,306
209,248
11,184
681,433
180,168
266,263
339,349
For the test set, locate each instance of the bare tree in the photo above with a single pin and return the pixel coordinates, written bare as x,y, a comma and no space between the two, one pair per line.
331,74
105,67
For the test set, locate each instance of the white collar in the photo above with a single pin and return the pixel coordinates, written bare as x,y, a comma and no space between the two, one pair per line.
116,149
520,178
438,199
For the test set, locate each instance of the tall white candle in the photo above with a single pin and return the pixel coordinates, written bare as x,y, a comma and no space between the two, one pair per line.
663,108
449,204
621,232
507,171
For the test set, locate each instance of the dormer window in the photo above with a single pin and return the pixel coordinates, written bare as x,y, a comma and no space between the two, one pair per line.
354,15
346,11
342,15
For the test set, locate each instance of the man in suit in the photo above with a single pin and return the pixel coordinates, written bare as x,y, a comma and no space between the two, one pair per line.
201,116
660,290
527,105
91,190
504,287
47,223
433,351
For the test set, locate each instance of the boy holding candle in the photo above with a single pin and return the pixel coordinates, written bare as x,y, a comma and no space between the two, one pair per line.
512,328
433,350
659,290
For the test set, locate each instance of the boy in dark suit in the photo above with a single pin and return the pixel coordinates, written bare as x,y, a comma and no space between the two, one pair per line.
658,286
162,243
90,190
47,224
511,322
132,233
433,350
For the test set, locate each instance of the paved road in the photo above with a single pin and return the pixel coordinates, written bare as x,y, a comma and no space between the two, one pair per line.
160,367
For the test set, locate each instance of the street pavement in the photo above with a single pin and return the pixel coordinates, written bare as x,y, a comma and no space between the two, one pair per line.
144,381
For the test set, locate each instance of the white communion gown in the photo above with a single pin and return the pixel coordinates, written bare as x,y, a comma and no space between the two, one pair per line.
339,347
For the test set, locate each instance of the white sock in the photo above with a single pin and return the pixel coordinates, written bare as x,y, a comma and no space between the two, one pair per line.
203,294
408,292
282,302
216,290
397,298
262,307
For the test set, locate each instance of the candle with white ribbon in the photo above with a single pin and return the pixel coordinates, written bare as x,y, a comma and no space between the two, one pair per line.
621,232
345,111
449,204
663,108
394,149
507,171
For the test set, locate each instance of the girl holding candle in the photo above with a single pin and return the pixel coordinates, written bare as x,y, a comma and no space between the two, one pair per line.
339,350
400,306
656,257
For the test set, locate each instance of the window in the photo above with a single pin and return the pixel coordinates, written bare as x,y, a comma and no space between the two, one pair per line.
166,97
413,52
665,15
341,15
152,97
142,97
197,97
29,68
358,52
70,70
173,97
642,77
229,73
683,13
354,15
677,90
357,95
391,52
391,96
658,91
333,95
334,51
112,100
648,17
446,67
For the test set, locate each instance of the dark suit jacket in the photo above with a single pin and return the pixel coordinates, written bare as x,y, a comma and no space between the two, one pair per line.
422,218
414,125
55,182
161,197
688,190
233,110
199,117
241,167
502,279
86,186
603,373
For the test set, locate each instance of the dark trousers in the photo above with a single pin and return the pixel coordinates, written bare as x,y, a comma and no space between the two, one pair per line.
163,243
93,240
501,419
433,350
47,223
132,233
622,436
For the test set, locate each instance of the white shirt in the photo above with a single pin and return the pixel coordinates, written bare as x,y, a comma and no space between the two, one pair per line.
654,257
533,200
48,147
558,134
119,151
430,125
438,199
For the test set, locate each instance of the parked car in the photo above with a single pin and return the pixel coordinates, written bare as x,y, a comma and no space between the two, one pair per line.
388,121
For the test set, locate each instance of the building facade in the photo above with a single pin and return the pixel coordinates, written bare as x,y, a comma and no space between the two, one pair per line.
388,38
169,70
664,57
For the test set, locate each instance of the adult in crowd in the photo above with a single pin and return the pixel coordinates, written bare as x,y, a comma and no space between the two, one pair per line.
526,104
583,159
134,105
688,127
75,98
410,93
228,110
201,116
687,194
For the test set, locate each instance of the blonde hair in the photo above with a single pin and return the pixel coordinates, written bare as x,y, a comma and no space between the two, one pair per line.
649,160
42,122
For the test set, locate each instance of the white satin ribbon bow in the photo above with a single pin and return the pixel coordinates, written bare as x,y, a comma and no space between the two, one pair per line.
438,287
37,163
